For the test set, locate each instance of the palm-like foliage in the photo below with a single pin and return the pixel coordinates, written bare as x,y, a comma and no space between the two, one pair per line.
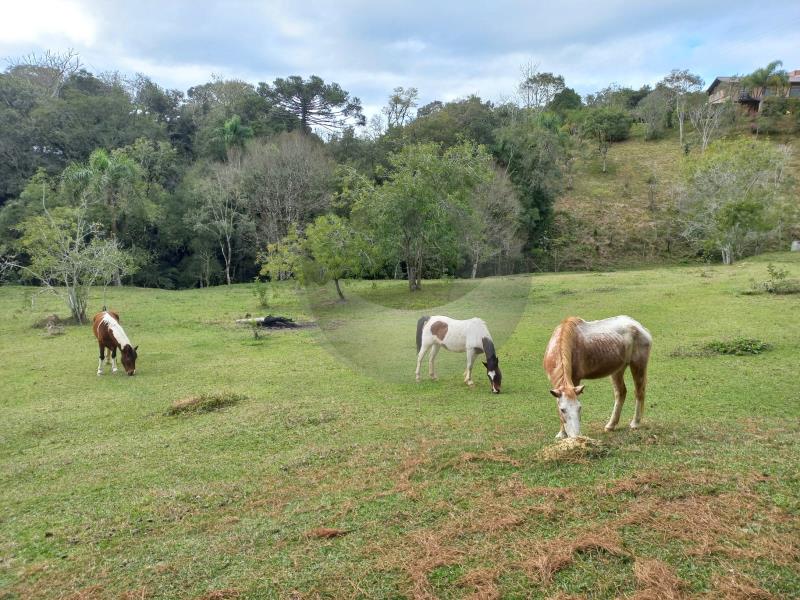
770,77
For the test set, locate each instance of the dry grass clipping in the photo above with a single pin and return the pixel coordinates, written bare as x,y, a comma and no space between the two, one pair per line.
738,587
209,402
656,580
227,594
554,555
574,450
483,582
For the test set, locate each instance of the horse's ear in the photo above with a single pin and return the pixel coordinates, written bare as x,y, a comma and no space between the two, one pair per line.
135,348
556,393
485,365
579,390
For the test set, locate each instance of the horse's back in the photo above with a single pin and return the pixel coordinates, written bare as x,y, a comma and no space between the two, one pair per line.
98,325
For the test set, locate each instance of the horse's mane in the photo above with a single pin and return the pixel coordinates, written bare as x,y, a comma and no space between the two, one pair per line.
566,342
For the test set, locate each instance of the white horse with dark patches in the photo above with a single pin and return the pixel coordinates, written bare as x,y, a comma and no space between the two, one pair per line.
470,336
582,349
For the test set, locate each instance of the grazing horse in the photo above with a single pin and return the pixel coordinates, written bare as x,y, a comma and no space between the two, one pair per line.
110,335
470,336
581,349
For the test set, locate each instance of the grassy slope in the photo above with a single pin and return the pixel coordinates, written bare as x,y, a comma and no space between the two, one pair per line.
439,487
614,206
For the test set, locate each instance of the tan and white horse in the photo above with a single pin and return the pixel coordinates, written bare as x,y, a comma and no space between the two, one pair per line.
470,336
581,349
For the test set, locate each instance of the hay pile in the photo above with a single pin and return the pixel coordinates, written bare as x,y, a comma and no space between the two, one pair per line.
577,449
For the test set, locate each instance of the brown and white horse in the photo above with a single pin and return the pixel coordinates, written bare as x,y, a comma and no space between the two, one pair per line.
581,349
470,336
110,335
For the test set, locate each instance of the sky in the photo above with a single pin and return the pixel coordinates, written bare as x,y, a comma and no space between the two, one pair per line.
447,49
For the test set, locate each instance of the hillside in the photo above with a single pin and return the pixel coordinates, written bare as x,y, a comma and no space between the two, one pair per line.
617,220
331,474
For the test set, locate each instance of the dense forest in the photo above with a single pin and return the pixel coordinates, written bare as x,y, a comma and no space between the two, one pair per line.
229,181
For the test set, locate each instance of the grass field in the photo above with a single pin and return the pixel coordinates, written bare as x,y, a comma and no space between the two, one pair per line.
329,473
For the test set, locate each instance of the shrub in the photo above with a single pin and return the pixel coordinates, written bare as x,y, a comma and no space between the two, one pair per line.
737,347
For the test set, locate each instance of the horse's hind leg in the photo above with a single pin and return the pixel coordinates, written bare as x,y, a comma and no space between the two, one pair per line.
639,371
420,355
431,367
620,391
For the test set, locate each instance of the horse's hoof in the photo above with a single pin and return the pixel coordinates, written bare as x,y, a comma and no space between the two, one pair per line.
610,427
471,384
113,371
418,379
99,373
561,435
434,378
634,426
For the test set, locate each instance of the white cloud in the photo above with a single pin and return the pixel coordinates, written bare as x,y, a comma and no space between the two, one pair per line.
47,22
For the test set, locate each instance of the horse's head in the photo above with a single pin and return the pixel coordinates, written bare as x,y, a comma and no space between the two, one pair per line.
129,359
569,408
492,365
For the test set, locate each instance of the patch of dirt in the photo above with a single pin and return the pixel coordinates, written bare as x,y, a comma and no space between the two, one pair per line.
226,594
326,533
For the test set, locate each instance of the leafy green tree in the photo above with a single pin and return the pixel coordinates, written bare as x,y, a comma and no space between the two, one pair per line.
771,79
533,151
401,102
654,109
417,211
314,103
68,255
733,194
604,125
335,250
565,101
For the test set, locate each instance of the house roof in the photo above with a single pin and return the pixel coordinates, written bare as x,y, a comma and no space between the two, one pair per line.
794,77
721,79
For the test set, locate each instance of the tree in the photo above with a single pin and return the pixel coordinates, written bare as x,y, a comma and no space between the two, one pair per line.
605,125
68,255
416,212
564,101
286,181
708,119
532,152
681,82
401,102
654,109
48,71
220,211
730,195
769,78
335,251
314,102
537,90
492,229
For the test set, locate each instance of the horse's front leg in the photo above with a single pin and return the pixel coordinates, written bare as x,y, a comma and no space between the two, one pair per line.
639,373
468,372
431,367
114,360
620,391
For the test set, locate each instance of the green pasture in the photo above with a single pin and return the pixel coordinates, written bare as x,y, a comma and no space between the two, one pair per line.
425,490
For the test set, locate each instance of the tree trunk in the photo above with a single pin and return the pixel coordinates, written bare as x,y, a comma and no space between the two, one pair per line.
474,269
339,290
412,278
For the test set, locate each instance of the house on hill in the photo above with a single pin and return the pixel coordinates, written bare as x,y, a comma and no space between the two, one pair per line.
723,89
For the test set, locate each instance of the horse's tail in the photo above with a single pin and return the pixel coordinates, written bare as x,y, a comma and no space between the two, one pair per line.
420,326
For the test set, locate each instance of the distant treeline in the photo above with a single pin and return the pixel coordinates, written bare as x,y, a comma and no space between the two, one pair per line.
287,179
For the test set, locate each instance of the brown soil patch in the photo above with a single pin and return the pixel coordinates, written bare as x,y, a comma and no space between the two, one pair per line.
326,533
226,594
